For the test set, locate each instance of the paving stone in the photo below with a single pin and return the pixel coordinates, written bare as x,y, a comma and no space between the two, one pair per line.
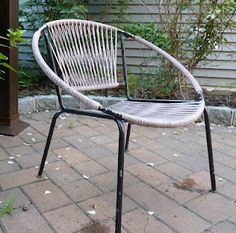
147,156
233,219
8,166
153,145
67,219
228,190
34,159
222,227
140,221
225,172
1,231
86,131
102,139
213,207
107,226
18,196
22,177
7,141
193,163
30,135
89,168
225,160
202,181
20,150
46,196
148,174
97,152
184,221
3,154
25,221
150,199
71,155
108,181
62,130
112,147
175,192
110,162
55,143
105,206
79,142
71,182
173,170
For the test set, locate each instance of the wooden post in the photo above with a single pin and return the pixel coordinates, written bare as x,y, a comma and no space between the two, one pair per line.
10,124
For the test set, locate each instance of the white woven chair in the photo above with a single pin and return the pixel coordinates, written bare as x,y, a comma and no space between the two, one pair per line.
84,57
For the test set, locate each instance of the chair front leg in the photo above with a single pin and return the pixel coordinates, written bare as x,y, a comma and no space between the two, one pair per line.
210,152
48,142
127,136
120,175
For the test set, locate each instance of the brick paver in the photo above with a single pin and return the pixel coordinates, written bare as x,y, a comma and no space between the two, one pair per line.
166,179
67,219
45,195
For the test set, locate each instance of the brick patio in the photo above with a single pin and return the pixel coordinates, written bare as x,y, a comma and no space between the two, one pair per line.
166,179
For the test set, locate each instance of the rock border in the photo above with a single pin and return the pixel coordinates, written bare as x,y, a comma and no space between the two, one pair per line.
218,115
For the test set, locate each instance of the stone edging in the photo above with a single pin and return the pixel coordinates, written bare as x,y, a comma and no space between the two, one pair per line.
218,115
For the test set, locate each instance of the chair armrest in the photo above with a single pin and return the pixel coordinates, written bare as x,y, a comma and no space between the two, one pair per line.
55,78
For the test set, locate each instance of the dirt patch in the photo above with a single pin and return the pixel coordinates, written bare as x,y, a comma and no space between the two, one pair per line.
188,184
96,228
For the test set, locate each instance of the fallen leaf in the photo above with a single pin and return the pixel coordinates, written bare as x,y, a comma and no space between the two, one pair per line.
92,212
29,134
47,192
10,162
33,140
150,164
85,177
27,144
150,213
176,155
11,157
62,118
163,133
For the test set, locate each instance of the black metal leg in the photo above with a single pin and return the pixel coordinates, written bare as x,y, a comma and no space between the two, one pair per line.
45,153
120,174
127,136
210,152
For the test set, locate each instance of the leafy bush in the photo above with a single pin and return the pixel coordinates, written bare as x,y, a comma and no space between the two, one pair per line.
151,33
34,13
14,38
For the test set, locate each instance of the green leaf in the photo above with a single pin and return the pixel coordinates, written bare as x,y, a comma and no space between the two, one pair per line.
7,66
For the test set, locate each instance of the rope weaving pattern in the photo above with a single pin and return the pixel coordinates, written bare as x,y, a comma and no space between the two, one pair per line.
86,53
159,114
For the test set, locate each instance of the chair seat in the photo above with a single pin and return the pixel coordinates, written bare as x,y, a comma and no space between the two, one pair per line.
165,115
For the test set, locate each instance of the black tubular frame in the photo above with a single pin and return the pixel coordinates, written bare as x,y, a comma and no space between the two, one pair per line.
123,140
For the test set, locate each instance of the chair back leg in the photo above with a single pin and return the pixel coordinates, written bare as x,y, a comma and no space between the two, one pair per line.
127,137
210,152
48,142
120,175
